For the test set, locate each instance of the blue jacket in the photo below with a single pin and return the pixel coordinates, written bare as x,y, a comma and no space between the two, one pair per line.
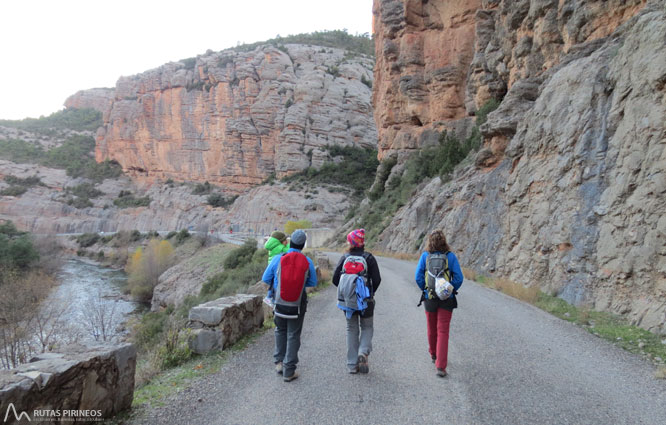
454,268
270,274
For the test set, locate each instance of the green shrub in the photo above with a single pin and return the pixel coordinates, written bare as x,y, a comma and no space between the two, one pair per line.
87,239
181,236
240,255
16,248
80,203
247,271
126,199
13,191
171,234
202,188
219,201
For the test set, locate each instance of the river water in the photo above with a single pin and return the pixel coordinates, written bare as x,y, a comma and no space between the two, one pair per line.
93,307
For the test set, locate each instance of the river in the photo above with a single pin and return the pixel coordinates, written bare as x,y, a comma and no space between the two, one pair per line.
93,306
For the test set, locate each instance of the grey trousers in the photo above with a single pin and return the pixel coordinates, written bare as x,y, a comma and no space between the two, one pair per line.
287,343
358,344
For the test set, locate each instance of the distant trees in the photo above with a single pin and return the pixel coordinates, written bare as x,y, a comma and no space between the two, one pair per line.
291,226
144,268
16,250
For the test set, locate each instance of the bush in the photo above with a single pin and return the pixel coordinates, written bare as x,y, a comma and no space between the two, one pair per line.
240,255
13,191
181,236
217,200
16,248
126,199
87,239
232,280
202,188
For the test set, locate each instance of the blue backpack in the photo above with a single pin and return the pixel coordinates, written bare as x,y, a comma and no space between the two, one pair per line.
353,290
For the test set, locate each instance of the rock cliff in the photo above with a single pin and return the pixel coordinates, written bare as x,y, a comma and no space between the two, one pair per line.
572,196
99,99
233,118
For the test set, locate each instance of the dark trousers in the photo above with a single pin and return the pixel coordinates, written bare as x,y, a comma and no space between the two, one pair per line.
438,335
287,342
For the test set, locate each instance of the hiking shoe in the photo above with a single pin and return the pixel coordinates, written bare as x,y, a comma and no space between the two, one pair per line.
441,373
433,357
278,368
353,370
291,378
363,363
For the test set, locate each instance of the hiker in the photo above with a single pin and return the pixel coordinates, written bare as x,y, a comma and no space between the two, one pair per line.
289,274
436,262
276,244
359,345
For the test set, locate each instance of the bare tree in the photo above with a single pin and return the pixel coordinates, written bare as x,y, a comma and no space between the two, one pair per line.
50,325
19,305
99,317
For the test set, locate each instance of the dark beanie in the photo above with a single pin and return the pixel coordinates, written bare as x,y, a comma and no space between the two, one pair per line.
279,236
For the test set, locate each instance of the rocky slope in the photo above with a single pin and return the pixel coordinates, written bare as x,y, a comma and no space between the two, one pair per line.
570,192
42,209
99,99
233,118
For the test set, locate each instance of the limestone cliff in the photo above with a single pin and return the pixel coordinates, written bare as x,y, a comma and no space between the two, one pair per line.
571,197
233,118
99,99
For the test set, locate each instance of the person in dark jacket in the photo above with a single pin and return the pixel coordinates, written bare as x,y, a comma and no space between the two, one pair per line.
438,312
359,344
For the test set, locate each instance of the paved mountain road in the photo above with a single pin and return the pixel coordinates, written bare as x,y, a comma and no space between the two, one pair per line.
509,363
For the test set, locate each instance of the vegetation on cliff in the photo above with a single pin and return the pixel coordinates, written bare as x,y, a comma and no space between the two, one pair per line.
84,119
350,166
74,155
362,43
393,190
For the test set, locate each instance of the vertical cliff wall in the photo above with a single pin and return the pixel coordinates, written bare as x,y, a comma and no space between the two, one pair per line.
571,197
233,118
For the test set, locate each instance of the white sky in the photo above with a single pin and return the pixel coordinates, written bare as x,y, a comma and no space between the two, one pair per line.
51,49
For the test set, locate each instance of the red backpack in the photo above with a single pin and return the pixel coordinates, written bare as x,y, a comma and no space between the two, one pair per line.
292,273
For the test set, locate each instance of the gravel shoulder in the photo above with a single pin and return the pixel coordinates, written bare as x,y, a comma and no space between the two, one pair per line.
509,362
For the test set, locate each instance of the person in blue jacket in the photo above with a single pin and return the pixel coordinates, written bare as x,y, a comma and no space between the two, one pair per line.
288,330
438,312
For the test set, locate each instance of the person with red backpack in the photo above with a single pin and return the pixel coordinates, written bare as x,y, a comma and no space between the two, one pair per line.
289,274
357,278
439,276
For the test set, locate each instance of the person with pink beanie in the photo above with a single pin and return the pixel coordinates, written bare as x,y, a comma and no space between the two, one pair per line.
359,341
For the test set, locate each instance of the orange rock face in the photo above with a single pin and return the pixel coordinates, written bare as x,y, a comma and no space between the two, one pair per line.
439,61
234,118
423,50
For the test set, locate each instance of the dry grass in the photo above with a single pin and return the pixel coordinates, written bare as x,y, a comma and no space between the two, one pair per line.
660,373
528,294
469,274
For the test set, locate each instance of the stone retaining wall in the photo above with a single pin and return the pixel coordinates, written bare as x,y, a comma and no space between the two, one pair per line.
81,385
219,323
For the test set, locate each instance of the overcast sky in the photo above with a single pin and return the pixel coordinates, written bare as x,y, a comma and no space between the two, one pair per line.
53,48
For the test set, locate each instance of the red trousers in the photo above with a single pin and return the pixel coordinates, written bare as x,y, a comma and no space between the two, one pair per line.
438,335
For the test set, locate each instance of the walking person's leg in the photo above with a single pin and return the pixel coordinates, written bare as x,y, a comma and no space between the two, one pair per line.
352,343
294,328
365,343
431,320
443,324
280,342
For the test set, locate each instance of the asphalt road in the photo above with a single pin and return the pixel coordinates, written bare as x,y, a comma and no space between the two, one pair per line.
509,363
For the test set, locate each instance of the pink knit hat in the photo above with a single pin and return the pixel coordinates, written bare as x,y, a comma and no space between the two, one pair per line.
356,238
